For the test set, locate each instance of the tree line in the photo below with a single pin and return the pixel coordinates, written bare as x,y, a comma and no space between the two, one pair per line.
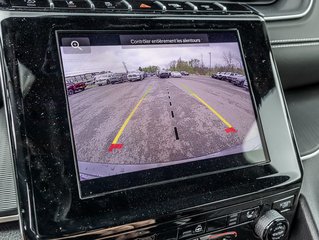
196,66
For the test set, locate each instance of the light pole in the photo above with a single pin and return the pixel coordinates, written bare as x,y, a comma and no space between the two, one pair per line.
210,60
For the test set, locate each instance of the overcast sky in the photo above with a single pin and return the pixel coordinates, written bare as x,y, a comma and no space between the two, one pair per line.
110,58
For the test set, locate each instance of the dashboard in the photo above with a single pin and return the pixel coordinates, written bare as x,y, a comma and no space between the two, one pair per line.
180,191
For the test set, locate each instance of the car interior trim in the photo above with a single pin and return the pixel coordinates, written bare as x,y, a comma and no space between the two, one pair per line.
294,40
11,146
84,218
92,6
265,17
10,218
233,198
284,123
296,45
290,16
310,155
224,8
282,95
173,16
306,42
51,4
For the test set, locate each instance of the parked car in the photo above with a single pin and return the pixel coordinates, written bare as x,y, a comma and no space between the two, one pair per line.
176,74
184,73
75,87
238,80
118,78
132,77
221,75
224,75
143,75
163,74
231,76
104,79
149,74
216,75
245,85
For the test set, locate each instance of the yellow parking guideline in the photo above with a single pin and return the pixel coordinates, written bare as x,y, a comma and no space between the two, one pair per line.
192,93
118,135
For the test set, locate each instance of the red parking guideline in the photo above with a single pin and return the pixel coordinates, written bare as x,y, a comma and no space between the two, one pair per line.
229,130
115,146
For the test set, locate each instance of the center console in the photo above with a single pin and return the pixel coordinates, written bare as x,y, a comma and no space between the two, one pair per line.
147,120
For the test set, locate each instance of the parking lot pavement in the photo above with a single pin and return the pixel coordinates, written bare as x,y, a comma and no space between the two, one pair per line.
232,102
159,120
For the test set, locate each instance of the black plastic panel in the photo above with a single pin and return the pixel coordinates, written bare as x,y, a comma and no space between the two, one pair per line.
8,203
285,9
307,218
155,7
254,2
296,48
303,226
302,105
43,139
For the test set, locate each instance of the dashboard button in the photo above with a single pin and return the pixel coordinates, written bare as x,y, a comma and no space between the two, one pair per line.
145,6
284,204
30,3
249,215
71,4
104,4
272,226
207,6
140,5
233,219
179,6
192,230
112,5
175,6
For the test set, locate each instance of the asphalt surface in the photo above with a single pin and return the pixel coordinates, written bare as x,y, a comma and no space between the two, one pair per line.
170,122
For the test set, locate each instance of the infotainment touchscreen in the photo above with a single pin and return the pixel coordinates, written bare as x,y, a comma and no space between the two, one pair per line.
146,108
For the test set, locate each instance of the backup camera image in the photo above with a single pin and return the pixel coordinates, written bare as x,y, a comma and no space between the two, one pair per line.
140,102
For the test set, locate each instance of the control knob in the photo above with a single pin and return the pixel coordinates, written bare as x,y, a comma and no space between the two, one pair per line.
272,226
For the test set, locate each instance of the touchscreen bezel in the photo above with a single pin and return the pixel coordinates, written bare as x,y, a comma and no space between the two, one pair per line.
156,176
49,202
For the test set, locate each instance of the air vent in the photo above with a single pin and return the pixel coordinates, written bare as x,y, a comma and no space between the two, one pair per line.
8,204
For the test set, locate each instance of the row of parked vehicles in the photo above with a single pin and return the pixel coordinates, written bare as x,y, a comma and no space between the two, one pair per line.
173,74
112,78
104,79
73,88
234,78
